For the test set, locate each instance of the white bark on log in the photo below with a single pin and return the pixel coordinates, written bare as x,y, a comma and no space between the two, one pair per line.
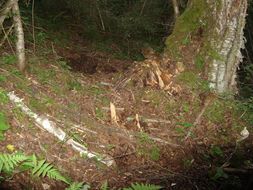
44,123
227,40
20,44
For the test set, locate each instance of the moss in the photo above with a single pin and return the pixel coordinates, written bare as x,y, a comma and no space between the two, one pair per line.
187,23
193,81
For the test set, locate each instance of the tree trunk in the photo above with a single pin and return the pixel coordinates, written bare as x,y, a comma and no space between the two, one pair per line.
5,10
20,43
217,26
176,8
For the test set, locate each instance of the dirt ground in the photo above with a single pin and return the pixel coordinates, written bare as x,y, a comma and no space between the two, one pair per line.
148,142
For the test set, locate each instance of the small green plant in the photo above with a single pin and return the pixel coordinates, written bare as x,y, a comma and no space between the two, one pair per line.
140,186
216,151
187,163
40,168
41,37
155,153
105,186
216,111
219,174
3,125
64,64
147,147
74,85
246,107
182,127
99,113
96,90
9,59
3,97
2,78
17,73
199,62
186,41
8,162
193,81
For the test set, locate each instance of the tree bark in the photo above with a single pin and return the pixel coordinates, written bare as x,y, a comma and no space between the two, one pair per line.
20,44
221,25
176,8
5,10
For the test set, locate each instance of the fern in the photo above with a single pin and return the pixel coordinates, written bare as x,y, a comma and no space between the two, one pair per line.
78,186
9,161
42,169
104,186
141,186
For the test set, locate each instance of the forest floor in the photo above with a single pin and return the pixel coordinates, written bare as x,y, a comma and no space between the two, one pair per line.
73,85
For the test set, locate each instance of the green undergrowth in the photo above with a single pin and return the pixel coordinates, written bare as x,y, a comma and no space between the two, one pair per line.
136,23
192,81
147,148
185,26
19,162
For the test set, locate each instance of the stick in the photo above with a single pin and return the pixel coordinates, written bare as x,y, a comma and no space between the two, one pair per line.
6,34
198,119
34,41
146,120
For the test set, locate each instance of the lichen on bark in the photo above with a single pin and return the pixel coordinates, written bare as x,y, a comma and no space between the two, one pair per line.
221,23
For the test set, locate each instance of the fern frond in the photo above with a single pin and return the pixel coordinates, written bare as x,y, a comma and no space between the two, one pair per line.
38,166
42,169
9,161
55,174
78,186
141,186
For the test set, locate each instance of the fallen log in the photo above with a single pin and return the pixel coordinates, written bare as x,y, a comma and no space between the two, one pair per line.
50,126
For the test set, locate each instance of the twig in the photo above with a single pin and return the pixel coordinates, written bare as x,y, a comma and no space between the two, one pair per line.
238,170
198,119
33,29
6,34
124,155
7,38
100,16
143,7
108,109
147,120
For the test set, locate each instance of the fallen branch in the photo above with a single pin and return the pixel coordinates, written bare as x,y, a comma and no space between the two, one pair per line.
147,120
117,109
199,116
238,171
44,123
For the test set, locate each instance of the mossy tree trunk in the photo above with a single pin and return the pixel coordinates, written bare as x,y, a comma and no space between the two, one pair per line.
217,27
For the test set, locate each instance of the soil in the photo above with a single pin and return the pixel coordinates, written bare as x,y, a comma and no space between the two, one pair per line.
153,150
